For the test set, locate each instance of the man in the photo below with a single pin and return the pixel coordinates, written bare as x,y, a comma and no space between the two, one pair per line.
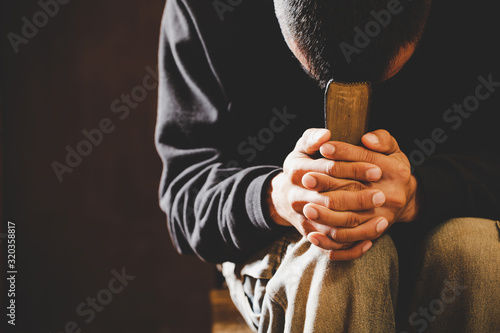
308,242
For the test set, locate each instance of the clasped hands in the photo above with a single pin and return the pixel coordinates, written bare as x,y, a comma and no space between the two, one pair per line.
342,196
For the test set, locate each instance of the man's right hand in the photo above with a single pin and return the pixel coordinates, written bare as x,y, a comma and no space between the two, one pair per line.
288,195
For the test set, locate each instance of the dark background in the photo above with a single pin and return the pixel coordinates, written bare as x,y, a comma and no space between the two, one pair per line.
104,215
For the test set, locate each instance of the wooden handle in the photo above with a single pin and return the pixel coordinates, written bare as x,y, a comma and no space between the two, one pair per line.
347,108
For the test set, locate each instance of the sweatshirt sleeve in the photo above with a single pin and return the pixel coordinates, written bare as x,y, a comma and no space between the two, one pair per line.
215,207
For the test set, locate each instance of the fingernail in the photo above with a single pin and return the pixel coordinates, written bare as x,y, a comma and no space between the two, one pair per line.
311,213
373,174
327,149
372,138
378,199
366,247
309,181
313,240
382,225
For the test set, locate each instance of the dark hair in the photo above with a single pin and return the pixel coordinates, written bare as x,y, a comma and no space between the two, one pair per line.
351,40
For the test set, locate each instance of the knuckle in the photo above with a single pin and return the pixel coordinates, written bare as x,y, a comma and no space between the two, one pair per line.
335,246
304,138
296,206
289,162
367,156
287,159
358,173
346,246
337,202
305,134
299,144
338,235
399,200
308,133
303,223
293,168
327,201
340,149
295,173
361,200
311,137
352,220
404,171
330,168
342,236
295,202
290,196
354,186
331,183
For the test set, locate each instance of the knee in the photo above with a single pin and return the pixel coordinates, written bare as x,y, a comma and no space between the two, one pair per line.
468,246
383,252
310,286
380,262
379,265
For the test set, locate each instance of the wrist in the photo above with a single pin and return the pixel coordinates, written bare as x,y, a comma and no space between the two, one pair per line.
273,188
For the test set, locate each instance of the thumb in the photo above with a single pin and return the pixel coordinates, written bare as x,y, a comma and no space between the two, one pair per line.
381,141
311,140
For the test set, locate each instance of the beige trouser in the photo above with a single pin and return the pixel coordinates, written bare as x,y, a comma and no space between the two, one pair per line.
293,287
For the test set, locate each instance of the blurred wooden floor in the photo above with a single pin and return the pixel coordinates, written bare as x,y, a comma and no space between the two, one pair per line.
226,318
